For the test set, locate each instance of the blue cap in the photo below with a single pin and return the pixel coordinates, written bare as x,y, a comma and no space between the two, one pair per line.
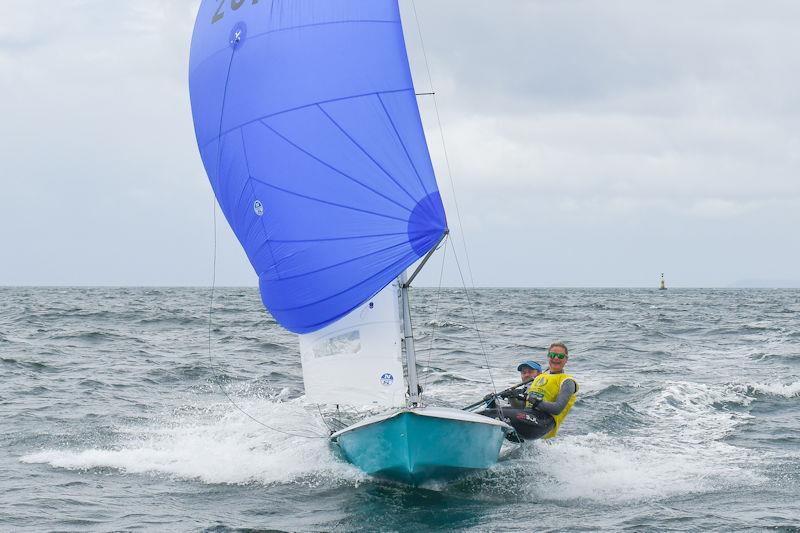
530,364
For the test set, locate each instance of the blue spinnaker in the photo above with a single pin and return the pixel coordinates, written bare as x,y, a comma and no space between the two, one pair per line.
308,127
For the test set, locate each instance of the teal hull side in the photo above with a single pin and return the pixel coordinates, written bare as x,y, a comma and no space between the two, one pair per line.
415,449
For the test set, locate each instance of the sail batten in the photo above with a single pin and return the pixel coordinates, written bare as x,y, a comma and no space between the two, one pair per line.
310,135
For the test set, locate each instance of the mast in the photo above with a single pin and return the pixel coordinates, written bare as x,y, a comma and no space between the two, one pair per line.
408,341
408,332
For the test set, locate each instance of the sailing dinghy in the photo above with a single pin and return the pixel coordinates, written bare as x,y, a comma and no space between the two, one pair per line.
308,128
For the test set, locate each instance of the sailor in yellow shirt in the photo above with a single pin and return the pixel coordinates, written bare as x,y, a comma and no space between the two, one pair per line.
554,391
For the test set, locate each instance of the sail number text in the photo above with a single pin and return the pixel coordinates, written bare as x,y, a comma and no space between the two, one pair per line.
234,4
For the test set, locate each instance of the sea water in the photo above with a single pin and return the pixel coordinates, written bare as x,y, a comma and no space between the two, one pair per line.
112,415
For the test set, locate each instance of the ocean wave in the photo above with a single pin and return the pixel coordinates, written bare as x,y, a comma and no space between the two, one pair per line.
607,391
666,415
613,470
616,469
791,390
219,443
172,320
178,373
28,365
743,330
441,324
694,413
619,418
94,336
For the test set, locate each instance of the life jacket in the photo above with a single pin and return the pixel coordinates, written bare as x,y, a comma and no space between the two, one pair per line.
548,386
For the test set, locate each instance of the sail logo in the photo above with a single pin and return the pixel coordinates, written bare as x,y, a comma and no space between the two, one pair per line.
387,379
258,207
237,35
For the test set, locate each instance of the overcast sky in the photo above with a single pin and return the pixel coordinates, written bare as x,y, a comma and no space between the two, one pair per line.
592,143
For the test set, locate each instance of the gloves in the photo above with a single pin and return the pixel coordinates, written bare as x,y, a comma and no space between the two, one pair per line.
534,400
489,396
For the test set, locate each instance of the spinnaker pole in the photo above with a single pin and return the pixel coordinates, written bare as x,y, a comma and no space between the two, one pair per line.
428,256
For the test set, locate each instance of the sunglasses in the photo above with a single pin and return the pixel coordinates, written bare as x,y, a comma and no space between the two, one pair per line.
553,355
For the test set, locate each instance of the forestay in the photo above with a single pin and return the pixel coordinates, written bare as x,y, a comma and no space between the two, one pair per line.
357,360
307,123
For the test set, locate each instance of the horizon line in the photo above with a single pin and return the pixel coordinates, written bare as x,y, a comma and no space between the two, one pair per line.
786,285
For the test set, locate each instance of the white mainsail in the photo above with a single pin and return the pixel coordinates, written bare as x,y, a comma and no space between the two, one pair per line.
357,360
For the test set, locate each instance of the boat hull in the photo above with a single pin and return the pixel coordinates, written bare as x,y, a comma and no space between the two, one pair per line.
419,445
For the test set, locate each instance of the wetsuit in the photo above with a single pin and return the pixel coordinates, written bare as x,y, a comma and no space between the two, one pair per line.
537,418
568,388
553,394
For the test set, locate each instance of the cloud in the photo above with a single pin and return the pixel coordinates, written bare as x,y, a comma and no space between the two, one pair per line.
580,125
719,208
657,115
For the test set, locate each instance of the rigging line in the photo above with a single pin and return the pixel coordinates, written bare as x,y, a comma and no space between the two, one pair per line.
319,410
444,144
210,355
455,202
214,275
475,325
435,317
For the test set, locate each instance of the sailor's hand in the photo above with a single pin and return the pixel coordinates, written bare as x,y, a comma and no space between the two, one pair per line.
506,394
519,396
489,396
534,400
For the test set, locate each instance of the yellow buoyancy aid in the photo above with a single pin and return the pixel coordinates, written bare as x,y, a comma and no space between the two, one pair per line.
548,386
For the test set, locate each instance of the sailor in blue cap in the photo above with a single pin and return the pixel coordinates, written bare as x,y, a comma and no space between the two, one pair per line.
528,370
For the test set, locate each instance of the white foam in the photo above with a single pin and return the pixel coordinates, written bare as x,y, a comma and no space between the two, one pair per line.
603,468
775,389
217,443
691,413
678,451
